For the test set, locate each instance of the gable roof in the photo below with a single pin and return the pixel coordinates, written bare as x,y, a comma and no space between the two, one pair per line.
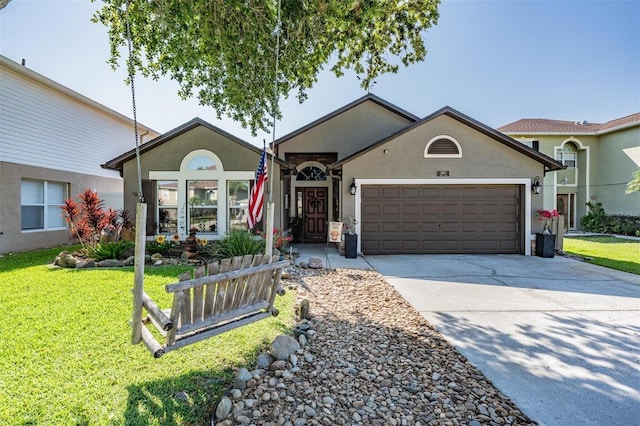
544,126
549,163
368,97
118,162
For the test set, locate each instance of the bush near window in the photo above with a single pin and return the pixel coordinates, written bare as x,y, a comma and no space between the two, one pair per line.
597,220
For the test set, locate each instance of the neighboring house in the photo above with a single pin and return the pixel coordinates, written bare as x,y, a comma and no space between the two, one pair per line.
441,184
599,160
52,143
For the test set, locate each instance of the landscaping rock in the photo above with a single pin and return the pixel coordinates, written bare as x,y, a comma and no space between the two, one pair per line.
110,263
370,358
224,408
264,360
65,260
283,347
131,260
315,263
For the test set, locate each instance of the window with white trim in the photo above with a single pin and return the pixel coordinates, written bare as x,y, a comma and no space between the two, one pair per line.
40,205
168,206
443,146
567,156
238,202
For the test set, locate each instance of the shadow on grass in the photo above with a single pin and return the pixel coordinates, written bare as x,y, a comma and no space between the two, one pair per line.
605,240
186,399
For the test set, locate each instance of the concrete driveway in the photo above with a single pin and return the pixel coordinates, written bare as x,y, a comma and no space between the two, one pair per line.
560,337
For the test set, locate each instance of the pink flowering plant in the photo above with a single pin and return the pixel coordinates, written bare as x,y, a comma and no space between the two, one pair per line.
280,239
547,217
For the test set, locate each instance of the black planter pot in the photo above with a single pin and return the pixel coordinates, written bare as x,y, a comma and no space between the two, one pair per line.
545,245
351,246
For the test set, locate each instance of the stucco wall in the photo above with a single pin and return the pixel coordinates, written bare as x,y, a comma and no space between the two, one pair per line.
619,157
348,132
13,239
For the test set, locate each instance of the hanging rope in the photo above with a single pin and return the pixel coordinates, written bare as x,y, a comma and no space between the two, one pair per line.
131,70
275,99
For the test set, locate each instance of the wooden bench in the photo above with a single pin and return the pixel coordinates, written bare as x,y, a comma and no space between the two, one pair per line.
224,296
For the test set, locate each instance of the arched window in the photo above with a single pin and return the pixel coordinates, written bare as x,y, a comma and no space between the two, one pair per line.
443,146
311,173
201,163
567,155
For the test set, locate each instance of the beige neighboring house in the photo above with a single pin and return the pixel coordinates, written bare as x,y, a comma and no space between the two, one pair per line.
444,183
52,143
599,160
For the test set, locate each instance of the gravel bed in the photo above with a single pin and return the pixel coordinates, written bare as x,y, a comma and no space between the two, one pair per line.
366,358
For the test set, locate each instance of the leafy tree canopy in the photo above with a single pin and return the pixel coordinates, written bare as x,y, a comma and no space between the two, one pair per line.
224,51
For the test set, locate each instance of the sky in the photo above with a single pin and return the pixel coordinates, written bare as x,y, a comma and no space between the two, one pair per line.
495,61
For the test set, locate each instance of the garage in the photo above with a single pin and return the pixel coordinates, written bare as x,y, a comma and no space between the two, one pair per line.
439,219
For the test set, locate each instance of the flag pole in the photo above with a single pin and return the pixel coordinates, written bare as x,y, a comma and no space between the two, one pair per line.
269,231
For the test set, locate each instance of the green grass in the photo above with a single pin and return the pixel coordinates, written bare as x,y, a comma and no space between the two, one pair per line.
616,253
66,357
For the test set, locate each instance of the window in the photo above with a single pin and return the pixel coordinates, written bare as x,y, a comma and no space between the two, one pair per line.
443,146
238,202
567,156
168,206
311,173
201,163
203,205
40,204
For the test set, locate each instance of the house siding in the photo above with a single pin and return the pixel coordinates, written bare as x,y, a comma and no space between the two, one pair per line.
50,133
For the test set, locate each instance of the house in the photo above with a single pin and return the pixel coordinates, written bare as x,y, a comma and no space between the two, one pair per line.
599,161
52,143
444,183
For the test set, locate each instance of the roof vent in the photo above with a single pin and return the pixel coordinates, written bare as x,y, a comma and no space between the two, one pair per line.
585,122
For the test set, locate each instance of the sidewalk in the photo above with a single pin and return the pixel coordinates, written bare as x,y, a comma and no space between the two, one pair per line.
330,256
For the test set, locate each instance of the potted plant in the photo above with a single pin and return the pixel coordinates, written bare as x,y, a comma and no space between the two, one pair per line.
546,241
295,222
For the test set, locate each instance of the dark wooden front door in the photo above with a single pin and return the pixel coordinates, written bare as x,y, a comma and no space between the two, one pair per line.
315,214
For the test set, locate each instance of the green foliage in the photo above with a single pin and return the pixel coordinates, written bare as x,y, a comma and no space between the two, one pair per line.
224,52
634,184
612,252
597,220
68,359
111,249
237,243
162,244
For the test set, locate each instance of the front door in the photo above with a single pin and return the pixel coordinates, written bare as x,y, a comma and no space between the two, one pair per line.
315,214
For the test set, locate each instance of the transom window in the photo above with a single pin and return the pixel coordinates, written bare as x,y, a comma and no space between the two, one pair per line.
201,163
311,173
567,156
40,204
443,146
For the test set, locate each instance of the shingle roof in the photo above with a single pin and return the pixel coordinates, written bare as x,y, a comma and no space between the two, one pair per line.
542,125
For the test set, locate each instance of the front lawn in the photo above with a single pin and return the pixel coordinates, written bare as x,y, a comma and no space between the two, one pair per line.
66,356
616,253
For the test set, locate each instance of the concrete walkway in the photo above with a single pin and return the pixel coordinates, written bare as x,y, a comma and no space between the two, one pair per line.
558,336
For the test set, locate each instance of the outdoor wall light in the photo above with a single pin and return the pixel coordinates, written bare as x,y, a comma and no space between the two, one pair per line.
352,187
535,186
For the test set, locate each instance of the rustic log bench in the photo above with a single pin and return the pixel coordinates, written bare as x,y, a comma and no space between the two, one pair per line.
224,296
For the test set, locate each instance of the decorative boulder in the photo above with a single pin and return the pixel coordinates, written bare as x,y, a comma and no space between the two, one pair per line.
315,263
65,260
283,346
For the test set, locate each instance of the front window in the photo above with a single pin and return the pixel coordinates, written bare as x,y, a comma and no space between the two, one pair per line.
203,205
168,206
238,202
40,204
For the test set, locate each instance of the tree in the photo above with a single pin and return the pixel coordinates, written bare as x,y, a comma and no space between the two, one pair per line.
224,51
634,185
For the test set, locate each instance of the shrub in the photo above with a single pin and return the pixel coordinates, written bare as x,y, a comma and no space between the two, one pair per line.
110,250
162,244
237,243
597,220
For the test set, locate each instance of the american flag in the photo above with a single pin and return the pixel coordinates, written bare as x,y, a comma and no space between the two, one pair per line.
256,198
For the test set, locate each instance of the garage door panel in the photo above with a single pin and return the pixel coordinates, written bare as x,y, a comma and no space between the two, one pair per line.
441,219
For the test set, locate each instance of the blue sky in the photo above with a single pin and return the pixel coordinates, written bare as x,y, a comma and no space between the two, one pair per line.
496,61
